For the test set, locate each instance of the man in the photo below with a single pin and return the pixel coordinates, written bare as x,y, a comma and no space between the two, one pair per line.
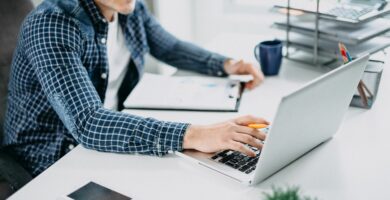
76,62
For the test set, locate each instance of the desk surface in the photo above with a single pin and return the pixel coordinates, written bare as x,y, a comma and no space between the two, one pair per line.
353,165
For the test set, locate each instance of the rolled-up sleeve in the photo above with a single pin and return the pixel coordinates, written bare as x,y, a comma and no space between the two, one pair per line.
55,49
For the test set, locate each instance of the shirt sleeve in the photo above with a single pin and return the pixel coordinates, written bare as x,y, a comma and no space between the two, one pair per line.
54,47
184,55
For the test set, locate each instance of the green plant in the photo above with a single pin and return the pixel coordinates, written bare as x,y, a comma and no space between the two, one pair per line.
290,193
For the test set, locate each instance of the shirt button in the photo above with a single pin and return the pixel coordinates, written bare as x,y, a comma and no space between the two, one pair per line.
103,41
219,73
103,76
104,20
71,146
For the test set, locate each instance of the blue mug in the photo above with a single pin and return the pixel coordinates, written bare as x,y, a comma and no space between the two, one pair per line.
269,55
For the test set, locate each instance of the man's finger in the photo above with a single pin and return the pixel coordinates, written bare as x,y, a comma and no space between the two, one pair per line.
257,77
250,85
237,146
247,139
252,132
249,119
256,73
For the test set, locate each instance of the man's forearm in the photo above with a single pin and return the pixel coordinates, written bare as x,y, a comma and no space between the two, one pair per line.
188,56
124,133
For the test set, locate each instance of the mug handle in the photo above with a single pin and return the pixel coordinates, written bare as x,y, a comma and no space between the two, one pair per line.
256,52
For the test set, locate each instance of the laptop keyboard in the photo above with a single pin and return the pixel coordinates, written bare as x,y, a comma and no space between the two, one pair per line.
349,13
239,160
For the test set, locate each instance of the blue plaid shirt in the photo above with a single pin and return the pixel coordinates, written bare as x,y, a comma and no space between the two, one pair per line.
59,78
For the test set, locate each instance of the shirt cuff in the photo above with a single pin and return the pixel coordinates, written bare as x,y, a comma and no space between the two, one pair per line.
215,64
170,137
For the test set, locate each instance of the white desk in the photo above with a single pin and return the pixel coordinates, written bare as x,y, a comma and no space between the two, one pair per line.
353,165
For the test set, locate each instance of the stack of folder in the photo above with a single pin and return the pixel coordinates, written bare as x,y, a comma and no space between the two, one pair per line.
361,38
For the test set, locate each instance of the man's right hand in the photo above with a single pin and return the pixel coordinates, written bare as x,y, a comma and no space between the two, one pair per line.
233,134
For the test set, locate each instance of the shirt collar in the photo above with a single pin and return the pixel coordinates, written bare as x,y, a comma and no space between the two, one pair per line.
93,11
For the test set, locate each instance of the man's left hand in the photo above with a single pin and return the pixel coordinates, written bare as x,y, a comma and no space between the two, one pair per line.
241,67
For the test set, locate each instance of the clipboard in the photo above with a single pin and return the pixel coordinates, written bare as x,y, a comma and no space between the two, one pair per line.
186,93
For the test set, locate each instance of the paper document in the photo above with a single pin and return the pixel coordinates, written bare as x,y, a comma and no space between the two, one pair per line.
330,48
185,93
332,31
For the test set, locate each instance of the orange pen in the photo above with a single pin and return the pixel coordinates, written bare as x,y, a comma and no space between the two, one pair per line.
257,126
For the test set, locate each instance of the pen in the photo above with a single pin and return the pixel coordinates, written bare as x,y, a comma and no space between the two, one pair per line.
257,126
346,52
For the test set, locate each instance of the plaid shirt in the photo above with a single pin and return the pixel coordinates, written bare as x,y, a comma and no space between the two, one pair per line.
59,78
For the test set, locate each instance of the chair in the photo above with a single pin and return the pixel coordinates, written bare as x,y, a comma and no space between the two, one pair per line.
12,175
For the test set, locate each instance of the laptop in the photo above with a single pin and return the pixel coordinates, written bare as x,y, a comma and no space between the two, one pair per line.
304,119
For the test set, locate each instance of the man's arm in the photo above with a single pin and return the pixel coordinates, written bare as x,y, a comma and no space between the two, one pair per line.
54,46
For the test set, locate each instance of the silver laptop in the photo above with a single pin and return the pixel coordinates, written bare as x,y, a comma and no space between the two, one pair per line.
304,119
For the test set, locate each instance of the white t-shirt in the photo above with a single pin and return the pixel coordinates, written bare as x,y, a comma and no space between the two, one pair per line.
118,60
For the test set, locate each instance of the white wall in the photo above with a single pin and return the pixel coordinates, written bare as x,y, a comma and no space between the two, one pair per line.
226,16
177,16
200,21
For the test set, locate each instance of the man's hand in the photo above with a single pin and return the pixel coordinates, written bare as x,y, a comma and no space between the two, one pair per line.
241,67
233,134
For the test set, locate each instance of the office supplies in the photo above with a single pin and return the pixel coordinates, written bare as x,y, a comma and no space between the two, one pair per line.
257,126
94,191
328,30
305,118
157,92
362,88
330,49
316,43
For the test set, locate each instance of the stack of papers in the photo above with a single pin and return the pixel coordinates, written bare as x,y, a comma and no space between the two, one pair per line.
340,33
330,48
